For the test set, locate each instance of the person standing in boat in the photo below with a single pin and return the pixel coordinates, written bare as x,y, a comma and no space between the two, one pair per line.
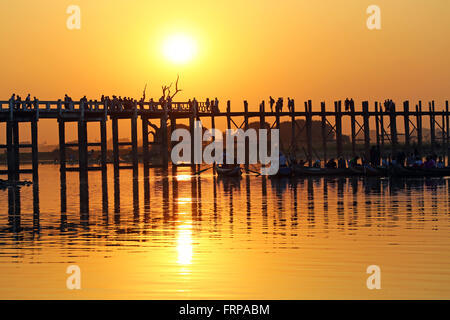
410,160
341,163
226,165
316,164
301,163
375,156
440,164
429,163
292,159
283,161
401,157
331,164
353,162
418,163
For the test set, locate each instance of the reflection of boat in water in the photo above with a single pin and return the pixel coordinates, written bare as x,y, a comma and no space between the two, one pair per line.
228,172
7,183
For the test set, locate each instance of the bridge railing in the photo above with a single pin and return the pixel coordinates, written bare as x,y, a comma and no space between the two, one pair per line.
59,105
109,105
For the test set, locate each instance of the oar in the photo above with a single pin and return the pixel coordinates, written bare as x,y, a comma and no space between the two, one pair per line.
198,172
257,173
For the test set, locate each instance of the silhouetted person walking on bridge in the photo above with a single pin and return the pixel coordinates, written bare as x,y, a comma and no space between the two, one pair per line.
271,102
347,104
28,101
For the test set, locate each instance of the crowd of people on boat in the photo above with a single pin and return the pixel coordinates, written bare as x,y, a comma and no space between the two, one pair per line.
410,160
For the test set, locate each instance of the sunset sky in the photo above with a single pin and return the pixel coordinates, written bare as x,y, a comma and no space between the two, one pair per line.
319,50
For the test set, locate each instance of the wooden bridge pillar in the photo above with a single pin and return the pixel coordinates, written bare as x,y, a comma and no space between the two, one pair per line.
383,132
324,131
444,134
377,124
432,127
246,145
447,124
10,149
353,128
308,110
365,107
419,126
134,143
213,127
35,168
62,163
277,118
145,150
406,124
393,125
34,150
293,124
338,119
164,144
228,117
192,118
104,153
262,120
173,127
228,114
16,141
115,136
83,165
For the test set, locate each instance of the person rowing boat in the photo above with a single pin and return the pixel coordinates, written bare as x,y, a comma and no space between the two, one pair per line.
284,170
228,169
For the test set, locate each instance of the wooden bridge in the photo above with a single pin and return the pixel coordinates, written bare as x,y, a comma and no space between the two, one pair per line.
82,112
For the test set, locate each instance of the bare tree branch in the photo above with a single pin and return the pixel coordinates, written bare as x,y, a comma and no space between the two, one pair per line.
176,88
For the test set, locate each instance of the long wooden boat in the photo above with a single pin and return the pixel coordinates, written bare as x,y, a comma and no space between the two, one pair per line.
419,172
229,172
369,171
307,171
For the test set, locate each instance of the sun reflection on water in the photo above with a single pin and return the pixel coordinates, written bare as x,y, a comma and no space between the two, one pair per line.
184,245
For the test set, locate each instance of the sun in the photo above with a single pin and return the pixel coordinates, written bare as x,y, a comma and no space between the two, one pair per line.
179,48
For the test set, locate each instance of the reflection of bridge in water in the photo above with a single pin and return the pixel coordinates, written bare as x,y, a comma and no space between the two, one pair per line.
284,205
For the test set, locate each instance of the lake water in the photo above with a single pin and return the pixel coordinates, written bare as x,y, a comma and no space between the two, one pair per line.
182,237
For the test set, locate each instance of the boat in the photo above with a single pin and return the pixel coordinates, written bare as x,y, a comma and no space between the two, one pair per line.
283,171
311,171
369,171
229,172
398,171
